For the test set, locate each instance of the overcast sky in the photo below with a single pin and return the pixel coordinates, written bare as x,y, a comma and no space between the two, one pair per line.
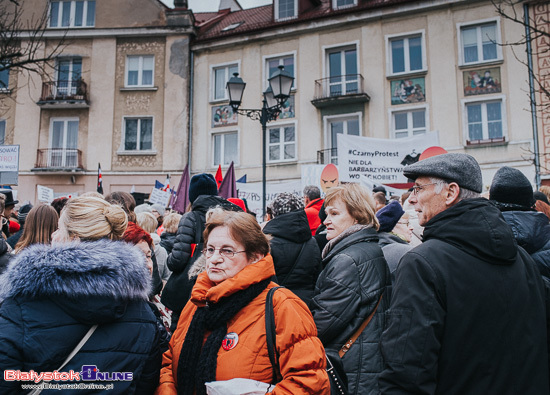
212,5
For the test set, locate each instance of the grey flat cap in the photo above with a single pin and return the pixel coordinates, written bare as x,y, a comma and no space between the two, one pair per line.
460,168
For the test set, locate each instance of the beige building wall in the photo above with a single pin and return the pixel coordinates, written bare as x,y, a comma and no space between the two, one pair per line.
444,87
122,28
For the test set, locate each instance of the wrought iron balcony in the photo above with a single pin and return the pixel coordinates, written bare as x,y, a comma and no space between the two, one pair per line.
58,159
340,89
64,94
326,156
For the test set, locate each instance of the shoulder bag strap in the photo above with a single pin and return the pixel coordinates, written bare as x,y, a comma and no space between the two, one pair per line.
271,335
283,280
345,348
72,354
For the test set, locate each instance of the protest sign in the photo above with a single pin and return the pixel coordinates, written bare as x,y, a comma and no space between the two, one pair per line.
252,192
159,196
380,160
45,194
9,164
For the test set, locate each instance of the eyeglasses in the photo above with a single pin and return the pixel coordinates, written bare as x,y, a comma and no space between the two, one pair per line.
225,252
418,188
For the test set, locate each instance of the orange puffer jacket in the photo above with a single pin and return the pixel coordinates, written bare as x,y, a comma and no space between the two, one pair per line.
302,356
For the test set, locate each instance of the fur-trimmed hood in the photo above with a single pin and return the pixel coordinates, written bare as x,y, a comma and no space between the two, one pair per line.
81,277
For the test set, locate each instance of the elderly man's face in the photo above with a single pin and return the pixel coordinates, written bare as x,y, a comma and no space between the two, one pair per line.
426,202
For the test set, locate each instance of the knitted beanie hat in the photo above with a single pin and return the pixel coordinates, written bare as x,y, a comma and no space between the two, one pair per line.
511,188
23,212
389,215
202,184
285,203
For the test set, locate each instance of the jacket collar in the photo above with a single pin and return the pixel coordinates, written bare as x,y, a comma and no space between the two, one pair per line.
362,234
103,268
207,291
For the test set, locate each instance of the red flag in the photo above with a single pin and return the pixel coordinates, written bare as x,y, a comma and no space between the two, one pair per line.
99,179
228,188
180,201
219,177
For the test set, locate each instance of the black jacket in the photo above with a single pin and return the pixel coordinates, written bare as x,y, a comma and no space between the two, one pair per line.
291,239
51,296
468,312
532,232
5,256
178,261
167,241
354,277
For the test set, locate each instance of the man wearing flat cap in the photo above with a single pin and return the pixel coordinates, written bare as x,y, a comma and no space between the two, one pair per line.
468,309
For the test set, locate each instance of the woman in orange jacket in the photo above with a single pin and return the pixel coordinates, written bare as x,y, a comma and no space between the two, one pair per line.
221,333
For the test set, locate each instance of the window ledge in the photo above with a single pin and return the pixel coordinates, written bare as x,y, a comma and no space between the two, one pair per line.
283,162
5,91
219,102
481,64
139,88
486,142
416,73
136,153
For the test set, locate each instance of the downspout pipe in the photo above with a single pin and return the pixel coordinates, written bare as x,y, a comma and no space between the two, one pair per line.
532,93
191,101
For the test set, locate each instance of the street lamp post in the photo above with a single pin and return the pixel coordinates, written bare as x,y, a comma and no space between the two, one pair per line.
275,96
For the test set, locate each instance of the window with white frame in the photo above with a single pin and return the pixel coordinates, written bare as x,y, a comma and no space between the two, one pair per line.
408,123
2,131
479,43
286,9
138,134
226,148
272,66
342,71
72,13
406,54
485,121
4,76
348,124
63,142
281,143
220,76
336,4
140,70
69,74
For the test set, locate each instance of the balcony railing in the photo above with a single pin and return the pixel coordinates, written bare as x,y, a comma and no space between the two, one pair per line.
326,156
64,91
59,159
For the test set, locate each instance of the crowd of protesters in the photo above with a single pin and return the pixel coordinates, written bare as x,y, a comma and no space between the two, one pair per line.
442,290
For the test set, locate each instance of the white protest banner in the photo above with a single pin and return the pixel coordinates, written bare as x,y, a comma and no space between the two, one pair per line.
9,158
380,160
159,196
252,192
45,194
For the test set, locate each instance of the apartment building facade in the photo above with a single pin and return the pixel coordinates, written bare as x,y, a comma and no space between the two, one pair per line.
116,95
385,69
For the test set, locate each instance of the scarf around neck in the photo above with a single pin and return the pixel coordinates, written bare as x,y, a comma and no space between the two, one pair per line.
197,362
349,231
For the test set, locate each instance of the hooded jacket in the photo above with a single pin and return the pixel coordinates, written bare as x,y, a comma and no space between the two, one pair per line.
312,212
51,296
295,253
532,232
468,311
301,354
354,277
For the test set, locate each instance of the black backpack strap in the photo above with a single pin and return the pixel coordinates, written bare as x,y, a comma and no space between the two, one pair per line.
271,335
199,228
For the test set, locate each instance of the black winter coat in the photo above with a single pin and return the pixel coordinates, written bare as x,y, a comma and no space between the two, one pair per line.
5,255
532,232
167,241
178,261
468,312
354,277
53,295
291,238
